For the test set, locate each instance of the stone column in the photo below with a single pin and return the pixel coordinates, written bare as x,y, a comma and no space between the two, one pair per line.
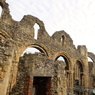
85,83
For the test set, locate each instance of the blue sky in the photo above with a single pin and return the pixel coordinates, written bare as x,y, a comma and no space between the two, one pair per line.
76,17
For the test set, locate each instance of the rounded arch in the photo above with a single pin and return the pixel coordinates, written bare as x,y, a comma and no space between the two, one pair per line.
92,56
42,49
36,46
66,57
68,64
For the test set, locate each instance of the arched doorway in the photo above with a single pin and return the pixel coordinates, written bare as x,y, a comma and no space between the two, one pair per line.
38,81
32,50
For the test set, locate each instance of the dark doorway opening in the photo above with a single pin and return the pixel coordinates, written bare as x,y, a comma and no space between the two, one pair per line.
41,86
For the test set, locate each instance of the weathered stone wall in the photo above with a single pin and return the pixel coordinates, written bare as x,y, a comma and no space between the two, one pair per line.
16,36
40,65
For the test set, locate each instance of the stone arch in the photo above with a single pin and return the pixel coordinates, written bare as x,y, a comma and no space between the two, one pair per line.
65,60
81,64
78,66
39,47
91,66
66,56
17,54
78,76
42,49
68,67
92,56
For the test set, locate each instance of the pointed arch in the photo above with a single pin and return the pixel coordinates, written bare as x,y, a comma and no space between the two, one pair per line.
78,73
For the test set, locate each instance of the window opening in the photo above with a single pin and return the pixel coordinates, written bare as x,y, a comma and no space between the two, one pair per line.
62,40
62,58
0,11
36,27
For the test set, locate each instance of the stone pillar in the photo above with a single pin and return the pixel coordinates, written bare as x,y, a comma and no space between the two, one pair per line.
85,83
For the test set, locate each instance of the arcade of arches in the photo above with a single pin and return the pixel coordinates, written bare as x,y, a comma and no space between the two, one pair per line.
55,68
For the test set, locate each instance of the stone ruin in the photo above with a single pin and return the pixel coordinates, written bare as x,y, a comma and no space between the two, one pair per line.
41,73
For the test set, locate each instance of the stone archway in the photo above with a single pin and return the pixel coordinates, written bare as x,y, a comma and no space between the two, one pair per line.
91,67
92,56
68,70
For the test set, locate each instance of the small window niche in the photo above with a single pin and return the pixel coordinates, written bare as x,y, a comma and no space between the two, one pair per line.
0,11
63,40
36,27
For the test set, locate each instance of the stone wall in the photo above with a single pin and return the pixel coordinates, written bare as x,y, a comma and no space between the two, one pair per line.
16,36
38,65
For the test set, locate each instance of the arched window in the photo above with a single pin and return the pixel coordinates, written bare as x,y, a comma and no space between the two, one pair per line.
78,69
63,40
64,59
36,27
78,78
61,58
